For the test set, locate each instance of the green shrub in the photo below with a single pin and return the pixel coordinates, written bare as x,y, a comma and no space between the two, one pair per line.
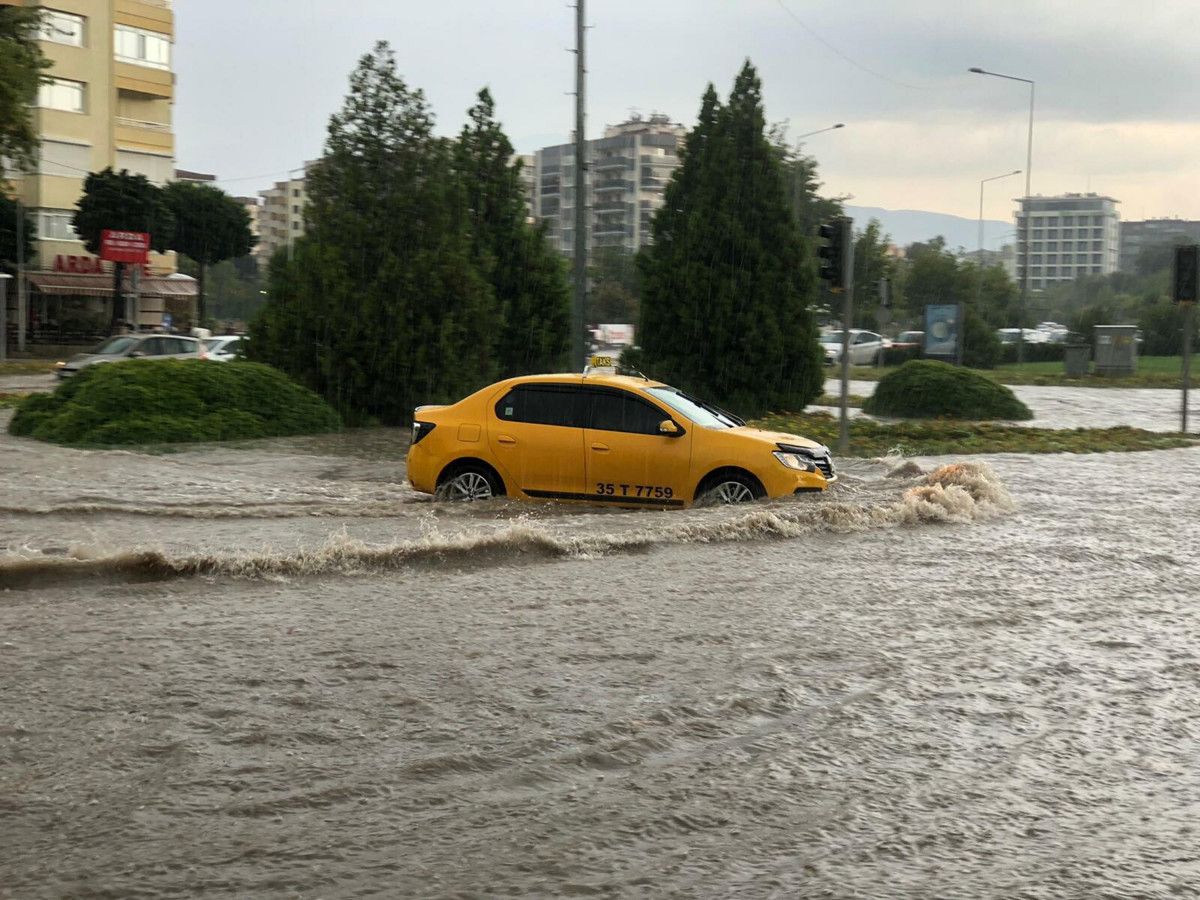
927,389
172,400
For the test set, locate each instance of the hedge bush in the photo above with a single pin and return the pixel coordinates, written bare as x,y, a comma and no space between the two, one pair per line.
1035,352
927,389
172,400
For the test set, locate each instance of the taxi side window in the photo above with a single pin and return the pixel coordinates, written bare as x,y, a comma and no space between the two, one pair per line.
541,405
619,411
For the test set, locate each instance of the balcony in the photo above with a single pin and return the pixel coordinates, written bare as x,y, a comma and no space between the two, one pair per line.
616,185
609,206
125,121
612,162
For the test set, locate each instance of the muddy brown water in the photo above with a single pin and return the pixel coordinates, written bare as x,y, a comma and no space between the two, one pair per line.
274,671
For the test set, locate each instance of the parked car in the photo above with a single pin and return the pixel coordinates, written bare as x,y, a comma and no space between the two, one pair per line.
134,346
908,339
866,347
226,347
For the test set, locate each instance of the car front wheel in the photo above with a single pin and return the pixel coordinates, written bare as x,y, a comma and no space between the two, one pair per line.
730,488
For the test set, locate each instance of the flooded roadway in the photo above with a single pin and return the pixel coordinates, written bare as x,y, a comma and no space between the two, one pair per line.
273,671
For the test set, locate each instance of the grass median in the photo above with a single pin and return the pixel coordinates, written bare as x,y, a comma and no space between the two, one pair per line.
27,367
941,437
1153,372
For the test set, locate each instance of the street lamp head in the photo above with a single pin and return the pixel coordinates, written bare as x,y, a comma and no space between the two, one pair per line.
840,125
976,70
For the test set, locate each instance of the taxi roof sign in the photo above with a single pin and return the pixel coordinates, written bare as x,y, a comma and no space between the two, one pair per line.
600,363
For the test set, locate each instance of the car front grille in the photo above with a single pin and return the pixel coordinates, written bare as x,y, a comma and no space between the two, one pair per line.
825,464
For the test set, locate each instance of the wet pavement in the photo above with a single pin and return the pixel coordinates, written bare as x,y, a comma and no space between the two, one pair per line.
271,670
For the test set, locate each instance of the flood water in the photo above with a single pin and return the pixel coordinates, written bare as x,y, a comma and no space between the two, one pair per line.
271,670
1154,409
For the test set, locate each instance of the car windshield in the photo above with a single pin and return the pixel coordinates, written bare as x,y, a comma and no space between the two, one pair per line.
909,337
703,414
217,343
115,345
834,337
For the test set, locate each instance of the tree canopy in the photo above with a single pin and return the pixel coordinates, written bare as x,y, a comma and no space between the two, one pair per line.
126,202
21,66
418,279
210,227
728,282
8,234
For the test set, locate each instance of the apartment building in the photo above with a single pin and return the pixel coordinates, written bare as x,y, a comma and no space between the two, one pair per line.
627,172
281,214
1068,236
107,102
1153,233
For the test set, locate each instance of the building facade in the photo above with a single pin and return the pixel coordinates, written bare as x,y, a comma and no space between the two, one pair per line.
1139,236
281,215
627,171
1066,236
107,102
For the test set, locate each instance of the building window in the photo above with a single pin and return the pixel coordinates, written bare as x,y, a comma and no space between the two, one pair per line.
55,225
143,48
59,93
62,28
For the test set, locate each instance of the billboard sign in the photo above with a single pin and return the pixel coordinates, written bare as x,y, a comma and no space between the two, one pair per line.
943,331
125,246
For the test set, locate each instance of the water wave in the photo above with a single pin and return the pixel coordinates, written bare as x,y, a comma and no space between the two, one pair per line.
958,493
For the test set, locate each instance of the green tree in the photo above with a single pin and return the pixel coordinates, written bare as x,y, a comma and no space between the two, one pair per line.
21,66
233,288
613,296
8,234
382,306
527,277
934,275
125,202
210,227
872,264
728,281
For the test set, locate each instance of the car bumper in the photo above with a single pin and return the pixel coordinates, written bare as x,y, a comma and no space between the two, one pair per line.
422,472
788,482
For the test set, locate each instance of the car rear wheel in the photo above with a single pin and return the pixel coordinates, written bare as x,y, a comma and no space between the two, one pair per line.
727,488
469,483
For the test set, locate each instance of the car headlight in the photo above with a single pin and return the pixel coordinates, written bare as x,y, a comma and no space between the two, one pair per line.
795,461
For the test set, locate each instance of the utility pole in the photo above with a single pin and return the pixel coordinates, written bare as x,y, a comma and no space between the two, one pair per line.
846,224
579,300
1186,290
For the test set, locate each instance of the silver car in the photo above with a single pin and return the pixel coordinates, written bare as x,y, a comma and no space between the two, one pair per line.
866,347
134,346
225,347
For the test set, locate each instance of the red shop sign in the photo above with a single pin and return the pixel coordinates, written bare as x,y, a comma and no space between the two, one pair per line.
124,246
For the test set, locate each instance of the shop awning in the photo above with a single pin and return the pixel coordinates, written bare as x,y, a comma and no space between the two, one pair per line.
63,284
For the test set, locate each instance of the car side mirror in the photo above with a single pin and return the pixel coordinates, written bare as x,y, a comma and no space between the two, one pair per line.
669,428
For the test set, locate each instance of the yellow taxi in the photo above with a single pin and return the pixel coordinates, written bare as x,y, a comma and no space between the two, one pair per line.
602,437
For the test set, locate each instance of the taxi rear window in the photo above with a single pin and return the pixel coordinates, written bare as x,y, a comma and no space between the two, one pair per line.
542,404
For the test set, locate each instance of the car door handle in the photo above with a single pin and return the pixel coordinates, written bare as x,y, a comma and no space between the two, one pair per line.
505,439
600,448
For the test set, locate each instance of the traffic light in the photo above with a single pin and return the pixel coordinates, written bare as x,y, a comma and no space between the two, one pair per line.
832,252
1187,274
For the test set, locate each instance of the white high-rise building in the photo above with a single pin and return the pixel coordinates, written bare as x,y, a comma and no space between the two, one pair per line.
628,170
1069,235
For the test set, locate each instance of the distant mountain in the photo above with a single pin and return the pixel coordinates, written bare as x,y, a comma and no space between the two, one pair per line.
909,225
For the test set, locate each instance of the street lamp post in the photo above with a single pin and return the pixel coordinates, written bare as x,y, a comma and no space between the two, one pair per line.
979,280
821,131
1028,225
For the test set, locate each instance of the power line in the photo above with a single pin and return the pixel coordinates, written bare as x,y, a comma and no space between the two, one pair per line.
837,52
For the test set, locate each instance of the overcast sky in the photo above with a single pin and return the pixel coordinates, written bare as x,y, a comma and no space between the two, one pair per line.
1117,105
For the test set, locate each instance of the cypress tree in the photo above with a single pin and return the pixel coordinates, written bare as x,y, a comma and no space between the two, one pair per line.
527,277
382,306
728,281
